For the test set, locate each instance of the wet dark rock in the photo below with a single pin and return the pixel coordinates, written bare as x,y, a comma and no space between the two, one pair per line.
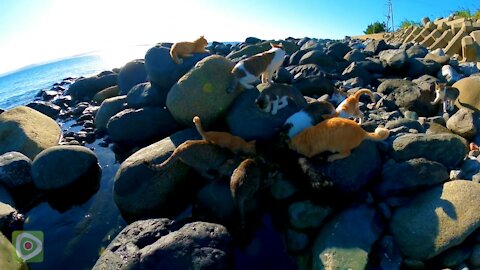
356,226
49,109
146,94
355,70
84,89
246,120
410,175
60,166
131,74
164,244
305,71
295,57
417,51
136,125
161,69
447,149
376,46
15,170
354,56
319,58
314,86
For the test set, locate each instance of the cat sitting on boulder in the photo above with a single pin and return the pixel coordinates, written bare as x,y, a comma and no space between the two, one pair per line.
185,49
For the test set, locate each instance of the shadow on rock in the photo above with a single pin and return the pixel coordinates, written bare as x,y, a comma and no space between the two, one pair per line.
76,193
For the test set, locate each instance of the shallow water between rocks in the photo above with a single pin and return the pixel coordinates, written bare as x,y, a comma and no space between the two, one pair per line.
76,234
75,237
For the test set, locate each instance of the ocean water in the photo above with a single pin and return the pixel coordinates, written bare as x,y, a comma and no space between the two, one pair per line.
20,87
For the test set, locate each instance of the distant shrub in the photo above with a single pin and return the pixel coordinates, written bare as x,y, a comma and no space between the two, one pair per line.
407,23
463,13
376,27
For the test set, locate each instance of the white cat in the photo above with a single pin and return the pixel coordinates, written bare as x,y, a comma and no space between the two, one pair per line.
314,113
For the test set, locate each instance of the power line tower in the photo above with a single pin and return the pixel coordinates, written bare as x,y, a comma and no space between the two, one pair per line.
390,17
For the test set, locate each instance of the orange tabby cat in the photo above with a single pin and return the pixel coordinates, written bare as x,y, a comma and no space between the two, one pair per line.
350,106
186,49
208,159
337,135
226,140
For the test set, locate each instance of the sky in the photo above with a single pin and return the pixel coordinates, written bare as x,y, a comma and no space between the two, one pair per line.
33,31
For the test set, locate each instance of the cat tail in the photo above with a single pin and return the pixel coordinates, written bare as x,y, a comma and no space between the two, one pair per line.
380,134
173,54
364,91
198,125
161,166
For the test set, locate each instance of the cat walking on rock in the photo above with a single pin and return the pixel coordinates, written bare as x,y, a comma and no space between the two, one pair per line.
350,107
266,65
447,95
337,135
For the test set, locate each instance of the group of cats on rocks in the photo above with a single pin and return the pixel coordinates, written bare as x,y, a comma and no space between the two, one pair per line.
319,127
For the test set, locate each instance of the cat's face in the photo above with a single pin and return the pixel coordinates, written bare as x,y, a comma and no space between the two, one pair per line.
439,86
203,41
262,101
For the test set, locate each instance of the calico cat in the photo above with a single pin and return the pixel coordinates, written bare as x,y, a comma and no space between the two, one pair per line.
272,99
447,94
350,106
266,65
209,160
225,140
186,49
337,135
311,115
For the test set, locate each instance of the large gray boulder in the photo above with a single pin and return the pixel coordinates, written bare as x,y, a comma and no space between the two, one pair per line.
107,110
85,89
141,192
203,92
137,125
146,94
163,244
49,109
464,123
246,120
163,71
27,131
437,219
401,177
319,58
394,58
447,149
131,74
347,239
61,166
15,170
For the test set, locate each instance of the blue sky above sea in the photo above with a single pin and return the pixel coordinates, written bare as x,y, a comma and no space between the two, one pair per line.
33,31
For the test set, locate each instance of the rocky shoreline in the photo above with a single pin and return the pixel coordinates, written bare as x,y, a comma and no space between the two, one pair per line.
406,203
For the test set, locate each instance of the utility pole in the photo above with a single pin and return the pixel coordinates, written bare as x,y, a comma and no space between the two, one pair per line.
390,16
